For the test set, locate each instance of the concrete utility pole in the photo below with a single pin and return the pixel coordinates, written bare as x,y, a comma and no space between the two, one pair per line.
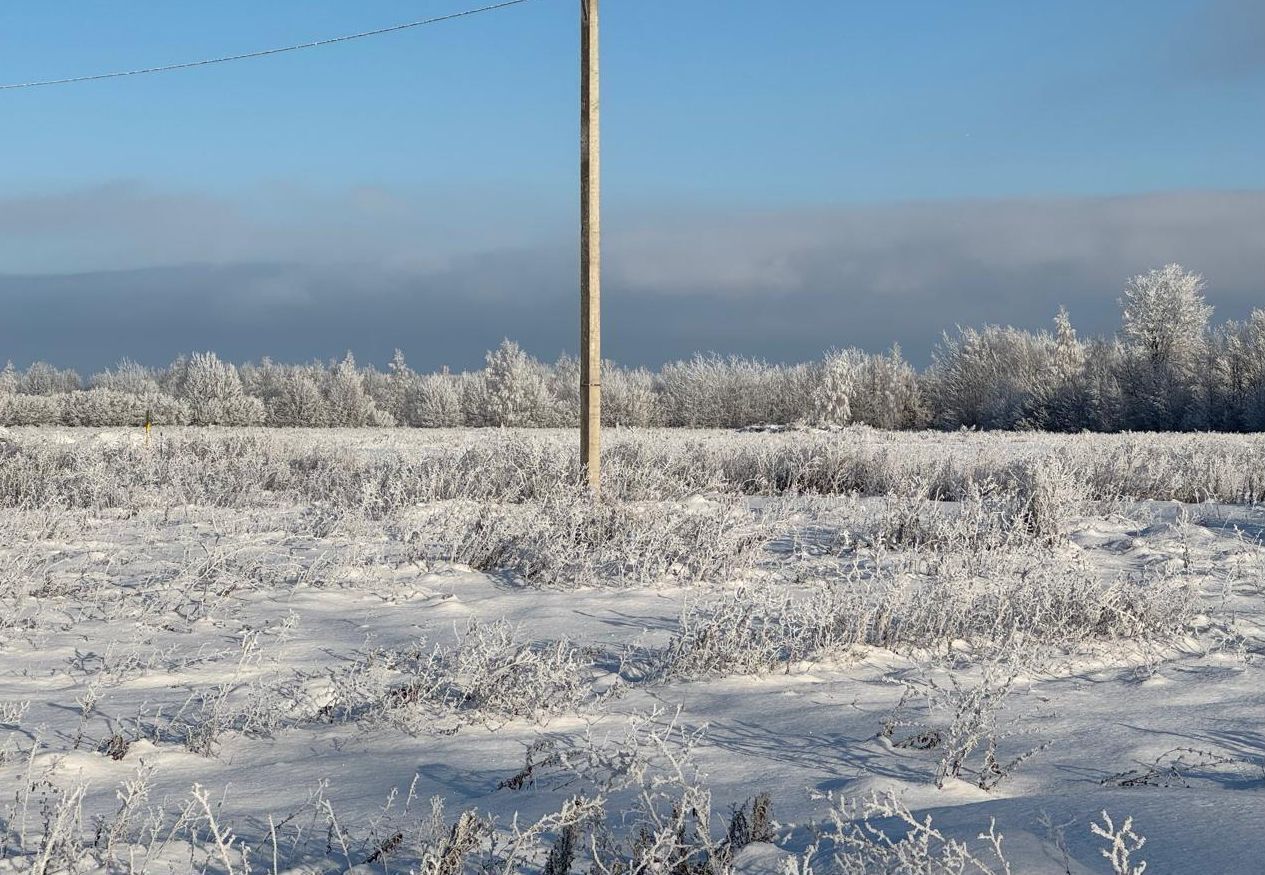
590,247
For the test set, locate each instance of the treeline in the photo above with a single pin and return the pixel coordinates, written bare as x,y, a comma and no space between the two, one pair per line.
1167,369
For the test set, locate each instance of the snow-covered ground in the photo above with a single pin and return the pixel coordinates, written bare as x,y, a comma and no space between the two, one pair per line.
262,651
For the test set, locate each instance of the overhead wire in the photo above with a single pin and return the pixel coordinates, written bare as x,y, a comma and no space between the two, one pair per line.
206,62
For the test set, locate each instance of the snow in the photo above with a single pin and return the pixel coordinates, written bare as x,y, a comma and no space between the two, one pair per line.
116,618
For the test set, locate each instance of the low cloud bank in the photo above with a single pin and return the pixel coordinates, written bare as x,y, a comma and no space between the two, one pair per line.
119,271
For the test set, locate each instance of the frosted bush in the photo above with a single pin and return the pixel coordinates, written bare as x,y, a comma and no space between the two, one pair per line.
570,540
30,409
110,408
628,397
961,723
491,675
881,834
1044,486
768,625
1123,843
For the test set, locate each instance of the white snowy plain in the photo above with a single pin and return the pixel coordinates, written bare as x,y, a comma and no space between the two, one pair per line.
287,678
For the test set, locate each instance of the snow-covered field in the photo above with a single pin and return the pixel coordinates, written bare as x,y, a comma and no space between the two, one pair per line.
264,651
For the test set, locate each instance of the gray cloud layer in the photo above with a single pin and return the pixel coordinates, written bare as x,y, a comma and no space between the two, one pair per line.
98,275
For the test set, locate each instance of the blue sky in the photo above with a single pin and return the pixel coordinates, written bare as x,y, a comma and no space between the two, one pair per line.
445,142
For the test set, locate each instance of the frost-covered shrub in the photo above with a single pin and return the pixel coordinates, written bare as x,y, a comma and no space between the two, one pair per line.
764,625
30,409
492,674
110,408
569,540
961,723
881,834
1029,503
716,392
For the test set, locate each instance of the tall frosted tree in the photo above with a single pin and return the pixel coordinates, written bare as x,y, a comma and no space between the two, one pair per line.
213,392
297,401
1254,366
1069,353
1165,333
512,390
347,402
989,378
1060,397
831,399
9,380
41,378
397,386
127,376
1242,348
434,401
628,397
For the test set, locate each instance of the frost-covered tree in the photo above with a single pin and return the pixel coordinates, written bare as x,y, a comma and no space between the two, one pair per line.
853,386
836,385
347,403
41,378
1252,368
1104,397
1234,374
298,402
435,402
1060,398
628,397
263,380
1165,315
8,380
213,391
510,391
392,394
1069,353
1164,332
127,376
890,393
988,378
564,386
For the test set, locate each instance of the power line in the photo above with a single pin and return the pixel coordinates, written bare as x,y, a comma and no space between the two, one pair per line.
265,52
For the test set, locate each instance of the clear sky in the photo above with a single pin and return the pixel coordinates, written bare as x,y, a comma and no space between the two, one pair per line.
778,156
